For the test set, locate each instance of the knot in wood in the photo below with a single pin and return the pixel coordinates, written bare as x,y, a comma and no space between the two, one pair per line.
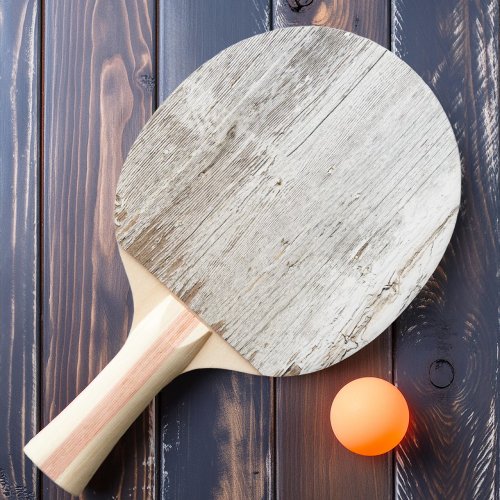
441,373
298,5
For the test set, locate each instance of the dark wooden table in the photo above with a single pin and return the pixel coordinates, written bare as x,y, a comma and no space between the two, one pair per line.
78,80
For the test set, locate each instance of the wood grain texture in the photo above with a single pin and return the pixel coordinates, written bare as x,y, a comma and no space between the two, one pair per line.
310,462
19,234
98,92
363,17
297,191
216,426
446,349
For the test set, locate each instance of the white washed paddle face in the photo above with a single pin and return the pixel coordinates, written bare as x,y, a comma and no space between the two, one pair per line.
295,192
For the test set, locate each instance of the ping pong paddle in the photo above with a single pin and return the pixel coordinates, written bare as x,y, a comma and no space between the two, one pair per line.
276,214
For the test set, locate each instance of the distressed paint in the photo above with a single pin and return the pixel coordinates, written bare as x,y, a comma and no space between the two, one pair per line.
274,188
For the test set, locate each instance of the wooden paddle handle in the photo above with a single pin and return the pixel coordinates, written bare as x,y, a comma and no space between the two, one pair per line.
70,449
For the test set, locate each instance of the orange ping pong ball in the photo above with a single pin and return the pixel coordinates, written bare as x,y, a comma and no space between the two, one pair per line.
369,416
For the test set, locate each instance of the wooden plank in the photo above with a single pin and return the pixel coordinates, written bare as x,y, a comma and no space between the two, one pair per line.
446,344
19,233
98,92
310,463
216,436
216,433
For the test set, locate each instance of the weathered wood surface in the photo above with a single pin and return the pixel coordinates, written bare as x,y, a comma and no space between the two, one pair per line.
216,426
310,462
98,93
296,192
19,234
446,344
